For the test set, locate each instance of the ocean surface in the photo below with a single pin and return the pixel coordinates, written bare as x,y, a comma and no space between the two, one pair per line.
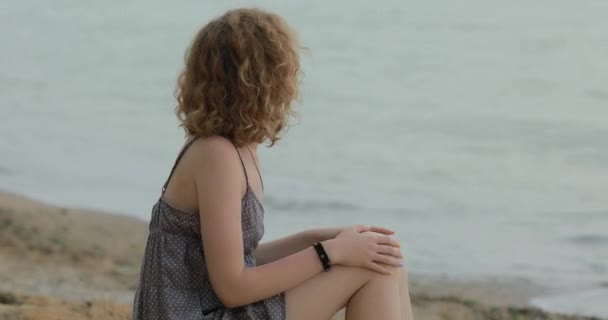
476,129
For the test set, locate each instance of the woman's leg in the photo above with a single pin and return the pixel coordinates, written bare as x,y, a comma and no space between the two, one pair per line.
406,304
367,295
378,299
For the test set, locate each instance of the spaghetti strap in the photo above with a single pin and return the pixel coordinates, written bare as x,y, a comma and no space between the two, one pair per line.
256,168
243,164
179,157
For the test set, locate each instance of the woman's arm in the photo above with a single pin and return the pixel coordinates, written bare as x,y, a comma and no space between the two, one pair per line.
282,247
219,182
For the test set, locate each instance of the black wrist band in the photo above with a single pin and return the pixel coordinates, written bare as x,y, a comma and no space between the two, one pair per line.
322,256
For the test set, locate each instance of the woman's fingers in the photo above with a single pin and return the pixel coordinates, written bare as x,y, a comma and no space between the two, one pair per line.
387,260
386,240
361,228
381,230
389,250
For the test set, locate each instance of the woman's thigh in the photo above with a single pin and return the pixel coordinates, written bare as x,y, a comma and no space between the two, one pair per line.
325,294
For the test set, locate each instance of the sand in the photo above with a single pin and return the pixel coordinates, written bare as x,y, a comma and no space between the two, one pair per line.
72,264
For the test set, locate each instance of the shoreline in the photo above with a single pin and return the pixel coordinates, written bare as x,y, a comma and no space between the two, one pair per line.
64,258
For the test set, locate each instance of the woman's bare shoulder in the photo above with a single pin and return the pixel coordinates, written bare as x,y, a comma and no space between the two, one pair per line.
214,146
215,151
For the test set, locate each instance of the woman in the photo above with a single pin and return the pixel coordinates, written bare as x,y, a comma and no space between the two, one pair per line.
202,259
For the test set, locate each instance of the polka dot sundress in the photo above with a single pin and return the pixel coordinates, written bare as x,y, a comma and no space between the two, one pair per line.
174,281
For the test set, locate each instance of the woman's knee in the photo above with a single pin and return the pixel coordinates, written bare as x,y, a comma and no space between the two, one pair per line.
394,278
366,275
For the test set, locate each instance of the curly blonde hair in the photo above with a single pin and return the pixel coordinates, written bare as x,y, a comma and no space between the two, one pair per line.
241,78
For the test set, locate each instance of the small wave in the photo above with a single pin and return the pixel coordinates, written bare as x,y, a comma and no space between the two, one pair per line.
598,94
590,239
308,205
598,215
320,206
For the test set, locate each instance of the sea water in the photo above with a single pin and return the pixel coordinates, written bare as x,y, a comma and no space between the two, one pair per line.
478,130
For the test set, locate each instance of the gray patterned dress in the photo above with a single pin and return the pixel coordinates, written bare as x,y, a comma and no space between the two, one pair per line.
174,282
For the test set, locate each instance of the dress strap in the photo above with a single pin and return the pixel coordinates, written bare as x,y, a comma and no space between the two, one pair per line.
256,167
179,157
243,164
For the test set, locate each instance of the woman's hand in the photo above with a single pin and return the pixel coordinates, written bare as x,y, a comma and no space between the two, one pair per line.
332,233
378,252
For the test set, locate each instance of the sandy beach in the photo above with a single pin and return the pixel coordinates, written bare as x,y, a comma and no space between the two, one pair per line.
62,263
